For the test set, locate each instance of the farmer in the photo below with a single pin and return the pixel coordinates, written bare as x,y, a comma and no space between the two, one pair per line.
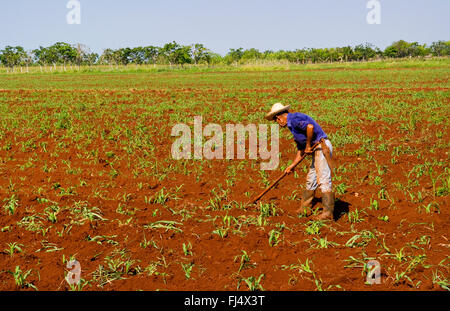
307,133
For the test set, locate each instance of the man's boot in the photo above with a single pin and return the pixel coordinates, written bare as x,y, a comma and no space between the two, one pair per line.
328,207
306,204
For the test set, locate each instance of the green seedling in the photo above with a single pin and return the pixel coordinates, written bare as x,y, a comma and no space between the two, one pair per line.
355,216
187,249
11,205
253,283
323,243
361,239
274,237
222,232
12,248
20,278
313,227
244,261
187,268
165,224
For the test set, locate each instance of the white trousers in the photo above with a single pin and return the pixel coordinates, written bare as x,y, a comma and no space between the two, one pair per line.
319,174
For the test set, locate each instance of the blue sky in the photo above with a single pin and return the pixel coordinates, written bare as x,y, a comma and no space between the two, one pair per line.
220,25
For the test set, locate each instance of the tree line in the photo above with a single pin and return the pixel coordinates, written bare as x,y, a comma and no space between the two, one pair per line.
172,53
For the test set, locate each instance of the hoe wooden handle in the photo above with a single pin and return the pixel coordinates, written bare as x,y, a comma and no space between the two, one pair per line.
280,178
268,188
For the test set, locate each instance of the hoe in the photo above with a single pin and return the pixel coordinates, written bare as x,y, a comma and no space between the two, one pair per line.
279,179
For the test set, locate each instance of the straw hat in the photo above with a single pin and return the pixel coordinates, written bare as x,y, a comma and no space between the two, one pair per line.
276,109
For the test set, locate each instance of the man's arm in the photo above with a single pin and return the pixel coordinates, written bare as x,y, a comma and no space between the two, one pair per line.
309,136
297,159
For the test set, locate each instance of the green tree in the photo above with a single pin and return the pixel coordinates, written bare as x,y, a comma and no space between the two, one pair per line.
44,56
91,59
107,57
183,55
399,48
440,48
124,55
347,53
200,53
137,55
168,50
416,49
63,52
216,58
251,54
151,54
84,55
364,52
177,54
12,56
234,55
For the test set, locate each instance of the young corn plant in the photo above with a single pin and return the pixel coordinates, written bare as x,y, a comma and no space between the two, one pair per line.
52,212
430,208
261,220
49,247
12,248
222,232
323,243
341,188
267,210
293,196
313,227
384,218
20,278
165,224
11,205
161,197
361,239
373,205
187,249
399,255
151,269
307,268
78,287
244,261
83,212
104,275
355,216
117,266
100,239
187,268
215,202
399,276
253,283
359,263
145,243
441,280
275,237
264,178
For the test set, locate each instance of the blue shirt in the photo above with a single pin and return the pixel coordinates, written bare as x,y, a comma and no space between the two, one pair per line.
297,123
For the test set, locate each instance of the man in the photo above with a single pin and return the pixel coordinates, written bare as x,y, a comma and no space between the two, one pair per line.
307,133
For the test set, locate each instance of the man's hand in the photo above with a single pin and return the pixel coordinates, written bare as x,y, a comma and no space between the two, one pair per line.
308,149
289,169
297,159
